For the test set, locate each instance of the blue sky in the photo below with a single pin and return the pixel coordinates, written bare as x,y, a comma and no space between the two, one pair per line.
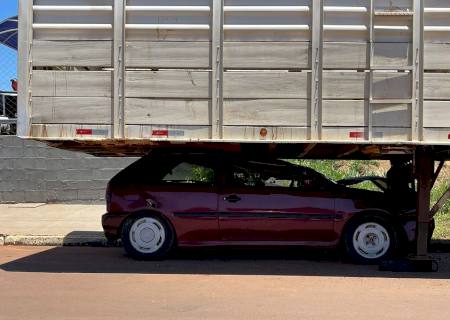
8,57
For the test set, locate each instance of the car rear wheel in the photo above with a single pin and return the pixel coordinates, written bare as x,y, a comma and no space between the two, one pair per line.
147,237
370,240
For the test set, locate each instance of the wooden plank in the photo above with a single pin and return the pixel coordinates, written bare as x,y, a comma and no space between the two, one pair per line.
72,83
262,133
343,112
71,110
391,85
69,131
392,54
437,135
266,55
176,54
436,86
266,85
353,55
72,53
349,134
391,134
73,35
167,84
392,115
168,35
167,112
437,56
175,133
436,114
266,112
359,134
345,85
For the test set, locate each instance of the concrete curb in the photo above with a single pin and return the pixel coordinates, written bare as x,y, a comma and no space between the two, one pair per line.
46,240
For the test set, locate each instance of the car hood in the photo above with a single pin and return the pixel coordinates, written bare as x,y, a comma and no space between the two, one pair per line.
380,182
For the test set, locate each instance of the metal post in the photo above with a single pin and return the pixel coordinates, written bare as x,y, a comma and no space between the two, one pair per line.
316,70
217,70
25,71
417,72
424,173
3,105
118,114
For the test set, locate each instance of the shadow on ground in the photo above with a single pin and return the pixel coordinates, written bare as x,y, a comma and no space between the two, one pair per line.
212,261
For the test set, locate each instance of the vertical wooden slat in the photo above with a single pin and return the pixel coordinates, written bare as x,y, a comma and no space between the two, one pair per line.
371,66
118,112
24,101
417,73
217,70
316,70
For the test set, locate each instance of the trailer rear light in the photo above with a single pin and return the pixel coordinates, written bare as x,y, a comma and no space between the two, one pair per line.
160,133
448,136
356,134
84,132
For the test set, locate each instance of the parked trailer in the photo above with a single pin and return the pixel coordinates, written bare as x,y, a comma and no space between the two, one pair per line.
299,71
316,78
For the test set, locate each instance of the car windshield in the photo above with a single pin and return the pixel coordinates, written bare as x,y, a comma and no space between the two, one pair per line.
311,172
277,174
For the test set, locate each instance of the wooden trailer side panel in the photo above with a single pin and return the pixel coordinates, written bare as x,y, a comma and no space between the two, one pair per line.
236,70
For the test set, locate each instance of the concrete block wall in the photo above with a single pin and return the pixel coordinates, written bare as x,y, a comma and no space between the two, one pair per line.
33,172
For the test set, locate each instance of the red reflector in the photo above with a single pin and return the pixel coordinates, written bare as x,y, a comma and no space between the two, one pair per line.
160,133
84,131
449,136
355,134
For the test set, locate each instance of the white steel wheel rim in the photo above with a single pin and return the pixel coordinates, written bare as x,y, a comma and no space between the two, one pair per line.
371,240
147,235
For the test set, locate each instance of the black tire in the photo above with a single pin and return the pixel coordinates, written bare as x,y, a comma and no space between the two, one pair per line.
131,247
356,253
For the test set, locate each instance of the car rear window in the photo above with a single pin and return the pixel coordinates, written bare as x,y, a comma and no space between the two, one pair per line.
189,173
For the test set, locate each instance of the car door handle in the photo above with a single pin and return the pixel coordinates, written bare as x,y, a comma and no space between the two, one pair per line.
232,198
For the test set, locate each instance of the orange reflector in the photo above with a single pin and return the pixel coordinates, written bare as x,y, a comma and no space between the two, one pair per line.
263,132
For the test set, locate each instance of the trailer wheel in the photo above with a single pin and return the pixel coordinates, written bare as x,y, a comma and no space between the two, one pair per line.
370,239
147,237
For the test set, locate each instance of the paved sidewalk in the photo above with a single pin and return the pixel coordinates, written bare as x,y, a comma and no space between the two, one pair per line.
51,224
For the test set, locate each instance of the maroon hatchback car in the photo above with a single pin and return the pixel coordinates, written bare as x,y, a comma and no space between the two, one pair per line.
215,199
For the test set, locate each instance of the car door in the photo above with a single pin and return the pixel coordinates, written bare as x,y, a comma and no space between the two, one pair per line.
275,202
187,193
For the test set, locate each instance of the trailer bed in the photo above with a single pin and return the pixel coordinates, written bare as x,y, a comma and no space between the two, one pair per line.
291,71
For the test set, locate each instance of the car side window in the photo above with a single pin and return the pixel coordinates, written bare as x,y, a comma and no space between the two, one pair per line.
272,175
189,173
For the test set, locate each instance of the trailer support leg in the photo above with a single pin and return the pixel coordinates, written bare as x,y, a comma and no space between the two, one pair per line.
425,175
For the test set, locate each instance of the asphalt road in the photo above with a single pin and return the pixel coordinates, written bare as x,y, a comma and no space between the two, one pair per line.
101,283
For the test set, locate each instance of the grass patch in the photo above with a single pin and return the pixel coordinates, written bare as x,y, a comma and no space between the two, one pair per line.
442,231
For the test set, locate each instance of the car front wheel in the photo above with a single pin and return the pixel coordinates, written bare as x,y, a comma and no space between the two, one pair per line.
146,237
370,240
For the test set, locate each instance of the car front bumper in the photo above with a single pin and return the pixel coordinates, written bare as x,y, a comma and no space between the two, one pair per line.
112,224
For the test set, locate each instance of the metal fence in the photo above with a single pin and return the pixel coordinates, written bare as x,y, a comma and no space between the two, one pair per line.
8,91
